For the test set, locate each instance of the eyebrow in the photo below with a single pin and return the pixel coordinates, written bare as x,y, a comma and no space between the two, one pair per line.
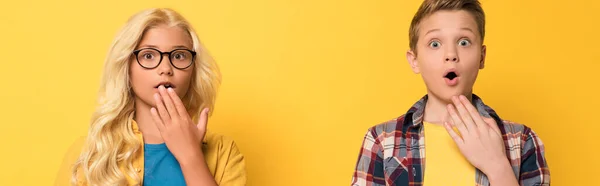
432,30
467,29
172,48
463,28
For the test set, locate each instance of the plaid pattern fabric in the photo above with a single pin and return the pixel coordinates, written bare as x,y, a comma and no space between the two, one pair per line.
393,153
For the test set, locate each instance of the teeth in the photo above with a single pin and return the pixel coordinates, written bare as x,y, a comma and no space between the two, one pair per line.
165,85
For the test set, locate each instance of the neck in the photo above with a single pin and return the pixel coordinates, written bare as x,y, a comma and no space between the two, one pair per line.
143,118
435,109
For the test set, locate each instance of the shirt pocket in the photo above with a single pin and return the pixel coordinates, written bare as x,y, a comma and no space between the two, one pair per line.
395,168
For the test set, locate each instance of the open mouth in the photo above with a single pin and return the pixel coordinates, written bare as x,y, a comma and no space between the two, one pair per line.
165,84
451,75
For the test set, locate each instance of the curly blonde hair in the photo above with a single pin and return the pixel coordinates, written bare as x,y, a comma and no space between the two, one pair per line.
111,127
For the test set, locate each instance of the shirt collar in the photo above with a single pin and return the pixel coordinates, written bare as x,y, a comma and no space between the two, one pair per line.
418,109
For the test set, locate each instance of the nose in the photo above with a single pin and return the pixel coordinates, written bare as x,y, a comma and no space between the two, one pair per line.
451,55
452,59
165,66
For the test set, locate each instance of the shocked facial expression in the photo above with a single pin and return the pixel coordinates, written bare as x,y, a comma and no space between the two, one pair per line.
448,54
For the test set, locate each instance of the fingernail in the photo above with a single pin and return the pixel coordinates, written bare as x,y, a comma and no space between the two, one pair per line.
170,89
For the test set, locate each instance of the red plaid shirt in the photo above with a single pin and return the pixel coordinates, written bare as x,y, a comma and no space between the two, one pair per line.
393,153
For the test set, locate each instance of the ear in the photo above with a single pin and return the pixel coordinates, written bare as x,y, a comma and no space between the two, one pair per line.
482,62
411,57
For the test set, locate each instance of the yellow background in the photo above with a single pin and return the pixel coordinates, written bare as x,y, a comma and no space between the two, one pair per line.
303,80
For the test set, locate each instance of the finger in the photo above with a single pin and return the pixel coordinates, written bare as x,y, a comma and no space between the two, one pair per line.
492,123
464,114
203,121
456,137
455,120
181,110
449,119
473,113
162,111
159,124
168,102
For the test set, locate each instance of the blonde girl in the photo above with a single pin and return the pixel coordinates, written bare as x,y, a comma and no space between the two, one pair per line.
158,86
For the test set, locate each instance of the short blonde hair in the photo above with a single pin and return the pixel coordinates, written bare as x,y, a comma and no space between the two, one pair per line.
429,7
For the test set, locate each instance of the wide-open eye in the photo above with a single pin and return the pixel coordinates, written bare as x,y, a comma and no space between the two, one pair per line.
464,42
435,44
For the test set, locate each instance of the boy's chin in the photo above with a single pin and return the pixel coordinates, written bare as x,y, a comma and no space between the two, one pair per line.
446,95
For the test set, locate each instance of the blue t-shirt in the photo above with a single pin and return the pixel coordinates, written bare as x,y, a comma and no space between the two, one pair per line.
161,167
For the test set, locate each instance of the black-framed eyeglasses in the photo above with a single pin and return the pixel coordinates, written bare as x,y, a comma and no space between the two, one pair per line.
150,58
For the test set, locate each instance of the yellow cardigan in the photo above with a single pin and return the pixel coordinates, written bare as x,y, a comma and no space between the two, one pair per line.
222,156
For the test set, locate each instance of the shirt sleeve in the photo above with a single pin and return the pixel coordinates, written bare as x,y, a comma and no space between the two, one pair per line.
233,168
534,168
369,167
